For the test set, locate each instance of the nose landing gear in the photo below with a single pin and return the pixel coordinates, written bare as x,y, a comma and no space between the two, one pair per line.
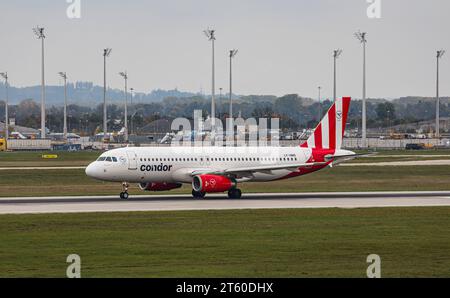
124,193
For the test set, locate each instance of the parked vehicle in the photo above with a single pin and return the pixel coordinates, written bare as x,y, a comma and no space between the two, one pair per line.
413,146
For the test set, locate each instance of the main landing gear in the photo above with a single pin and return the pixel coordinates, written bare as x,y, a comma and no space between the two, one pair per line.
198,194
124,193
234,193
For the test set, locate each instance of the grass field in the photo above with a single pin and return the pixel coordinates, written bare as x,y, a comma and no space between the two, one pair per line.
248,243
29,159
361,178
83,158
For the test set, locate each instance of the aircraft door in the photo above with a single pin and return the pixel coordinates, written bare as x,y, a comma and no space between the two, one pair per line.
132,160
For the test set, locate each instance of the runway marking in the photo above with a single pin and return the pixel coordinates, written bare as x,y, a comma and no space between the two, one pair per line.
218,202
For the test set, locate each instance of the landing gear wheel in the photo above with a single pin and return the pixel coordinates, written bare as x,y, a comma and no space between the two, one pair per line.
124,193
234,193
198,194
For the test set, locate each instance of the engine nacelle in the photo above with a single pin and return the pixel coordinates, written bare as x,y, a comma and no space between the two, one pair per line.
212,183
158,186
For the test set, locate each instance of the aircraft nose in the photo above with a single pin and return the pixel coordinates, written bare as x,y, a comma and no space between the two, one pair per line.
92,170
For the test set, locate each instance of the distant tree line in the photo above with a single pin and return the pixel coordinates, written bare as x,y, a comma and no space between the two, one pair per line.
294,112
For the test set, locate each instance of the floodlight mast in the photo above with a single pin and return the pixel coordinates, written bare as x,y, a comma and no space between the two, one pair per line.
5,76
39,32
106,53
439,55
125,77
336,54
132,109
361,36
233,53
210,34
320,106
64,76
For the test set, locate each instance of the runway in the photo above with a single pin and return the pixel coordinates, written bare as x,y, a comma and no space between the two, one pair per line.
24,205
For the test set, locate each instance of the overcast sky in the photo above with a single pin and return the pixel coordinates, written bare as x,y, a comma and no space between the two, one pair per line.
285,46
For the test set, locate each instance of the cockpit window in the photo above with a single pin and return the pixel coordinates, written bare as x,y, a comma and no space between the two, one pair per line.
108,158
102,158
114,159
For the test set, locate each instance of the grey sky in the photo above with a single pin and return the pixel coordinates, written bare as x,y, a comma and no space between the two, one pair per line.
284,46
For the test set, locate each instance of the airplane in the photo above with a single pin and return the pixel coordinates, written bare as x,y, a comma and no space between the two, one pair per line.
216,170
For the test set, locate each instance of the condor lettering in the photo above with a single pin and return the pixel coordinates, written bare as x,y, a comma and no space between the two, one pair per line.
156,168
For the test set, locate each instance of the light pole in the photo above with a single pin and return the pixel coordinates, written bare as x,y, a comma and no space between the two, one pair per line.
39,32
125,77
106,53
64,76
439,54
232,54
132,108
361,36
336,54
5,76
220,100
320,106
210,34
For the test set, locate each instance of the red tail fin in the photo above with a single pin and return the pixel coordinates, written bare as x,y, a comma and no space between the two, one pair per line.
330,131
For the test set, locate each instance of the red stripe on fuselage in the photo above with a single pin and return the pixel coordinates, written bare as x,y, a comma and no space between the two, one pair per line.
317,155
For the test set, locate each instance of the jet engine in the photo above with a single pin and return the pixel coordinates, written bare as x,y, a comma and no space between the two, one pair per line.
212,183
158,186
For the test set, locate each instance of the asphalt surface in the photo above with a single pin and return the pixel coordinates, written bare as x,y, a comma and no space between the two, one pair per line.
23,205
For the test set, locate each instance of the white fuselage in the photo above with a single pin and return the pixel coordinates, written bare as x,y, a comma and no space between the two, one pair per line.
176,164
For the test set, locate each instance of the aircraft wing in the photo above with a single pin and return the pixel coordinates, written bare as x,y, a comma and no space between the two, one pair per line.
242,171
